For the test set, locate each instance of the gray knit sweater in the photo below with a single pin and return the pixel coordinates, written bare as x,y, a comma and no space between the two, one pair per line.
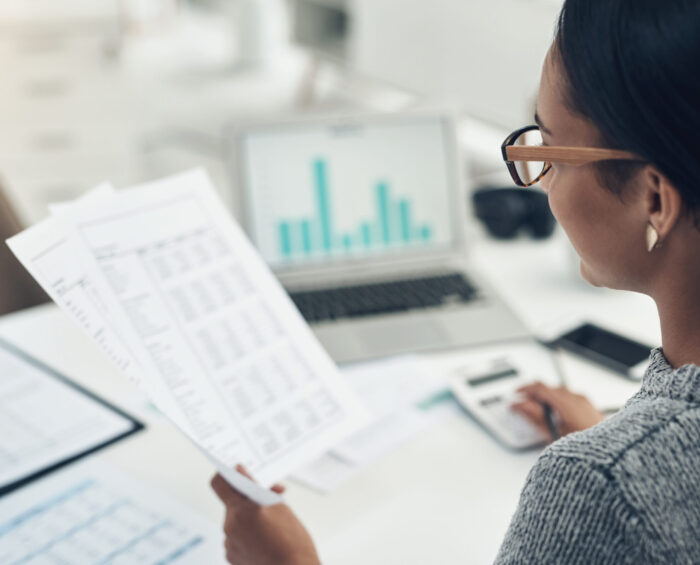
624,491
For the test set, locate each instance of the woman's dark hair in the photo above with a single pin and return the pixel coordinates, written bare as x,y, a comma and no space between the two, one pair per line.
633,68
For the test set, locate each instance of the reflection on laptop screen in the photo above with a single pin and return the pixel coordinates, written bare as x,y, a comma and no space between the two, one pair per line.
328,192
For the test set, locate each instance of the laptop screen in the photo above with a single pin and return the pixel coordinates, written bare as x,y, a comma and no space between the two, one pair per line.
330,192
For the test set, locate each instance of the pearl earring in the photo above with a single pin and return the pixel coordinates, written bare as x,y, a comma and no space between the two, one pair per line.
652,238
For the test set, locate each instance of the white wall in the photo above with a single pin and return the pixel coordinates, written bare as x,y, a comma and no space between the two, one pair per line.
482,55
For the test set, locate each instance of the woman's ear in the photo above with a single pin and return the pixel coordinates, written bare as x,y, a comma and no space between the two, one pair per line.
664,205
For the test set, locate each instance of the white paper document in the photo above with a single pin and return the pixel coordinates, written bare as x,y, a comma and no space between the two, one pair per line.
171,289
405,396
325,474
45,421
90,514
390,388
387,386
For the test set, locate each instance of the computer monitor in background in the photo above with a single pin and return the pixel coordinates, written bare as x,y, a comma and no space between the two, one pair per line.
481,56
330,191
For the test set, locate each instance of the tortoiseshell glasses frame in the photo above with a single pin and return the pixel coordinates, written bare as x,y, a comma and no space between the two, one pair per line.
547,154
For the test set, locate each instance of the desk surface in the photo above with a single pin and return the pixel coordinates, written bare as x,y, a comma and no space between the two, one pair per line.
444,497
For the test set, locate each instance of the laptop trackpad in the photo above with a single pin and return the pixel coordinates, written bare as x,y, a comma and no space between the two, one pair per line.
404,335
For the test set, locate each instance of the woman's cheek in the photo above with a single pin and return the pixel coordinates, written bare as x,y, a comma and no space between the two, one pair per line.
561,189
566,214
546,182
553,198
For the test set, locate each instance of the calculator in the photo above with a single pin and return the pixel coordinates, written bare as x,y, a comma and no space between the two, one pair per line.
487,390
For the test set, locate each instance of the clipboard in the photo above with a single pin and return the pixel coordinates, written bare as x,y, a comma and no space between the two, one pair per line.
24,455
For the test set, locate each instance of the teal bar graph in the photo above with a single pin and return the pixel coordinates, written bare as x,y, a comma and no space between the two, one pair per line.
405,214
285,239
392,225
306,236
366,231
324,209
383,207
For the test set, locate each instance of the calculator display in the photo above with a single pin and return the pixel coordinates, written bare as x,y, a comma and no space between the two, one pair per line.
506,373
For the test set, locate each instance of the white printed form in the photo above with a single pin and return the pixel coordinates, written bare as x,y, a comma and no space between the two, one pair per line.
51,253
214,332
60,262
90,514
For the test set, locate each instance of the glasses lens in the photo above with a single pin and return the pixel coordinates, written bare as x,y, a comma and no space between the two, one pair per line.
529,171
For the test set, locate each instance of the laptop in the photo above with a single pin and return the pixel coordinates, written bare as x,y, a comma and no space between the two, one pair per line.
363,221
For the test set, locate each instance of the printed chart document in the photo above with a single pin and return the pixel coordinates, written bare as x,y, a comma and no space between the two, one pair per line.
173,292
91,514
46,421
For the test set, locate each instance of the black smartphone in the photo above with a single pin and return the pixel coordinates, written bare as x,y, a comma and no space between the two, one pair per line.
617,352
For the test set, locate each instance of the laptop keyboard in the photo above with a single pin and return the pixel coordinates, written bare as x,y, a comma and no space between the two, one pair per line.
383,297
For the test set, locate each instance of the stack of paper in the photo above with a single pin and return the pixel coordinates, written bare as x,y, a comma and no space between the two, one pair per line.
171,290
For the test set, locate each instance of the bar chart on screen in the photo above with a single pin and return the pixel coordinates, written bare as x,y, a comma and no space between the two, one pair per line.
319,192
391,224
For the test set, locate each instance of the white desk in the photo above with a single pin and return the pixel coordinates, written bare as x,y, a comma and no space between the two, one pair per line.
445,497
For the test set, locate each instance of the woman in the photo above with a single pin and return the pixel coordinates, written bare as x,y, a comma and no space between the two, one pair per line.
622,76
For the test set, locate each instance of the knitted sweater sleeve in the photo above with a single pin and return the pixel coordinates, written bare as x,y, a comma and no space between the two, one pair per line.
571,512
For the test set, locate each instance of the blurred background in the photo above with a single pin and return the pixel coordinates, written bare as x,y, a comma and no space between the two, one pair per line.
128,90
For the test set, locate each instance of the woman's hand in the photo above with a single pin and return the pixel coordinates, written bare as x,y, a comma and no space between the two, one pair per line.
574,412
262,535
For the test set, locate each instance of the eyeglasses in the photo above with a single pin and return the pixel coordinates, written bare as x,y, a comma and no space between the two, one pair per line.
528,160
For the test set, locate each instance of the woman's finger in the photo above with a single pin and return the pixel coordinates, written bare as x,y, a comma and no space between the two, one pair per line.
543,394
243,471
534,412
535,388
227,494
279,489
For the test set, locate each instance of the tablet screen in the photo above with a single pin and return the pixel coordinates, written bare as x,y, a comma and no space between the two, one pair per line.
46,421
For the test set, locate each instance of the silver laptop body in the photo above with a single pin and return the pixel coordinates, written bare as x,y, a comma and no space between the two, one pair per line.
262,154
